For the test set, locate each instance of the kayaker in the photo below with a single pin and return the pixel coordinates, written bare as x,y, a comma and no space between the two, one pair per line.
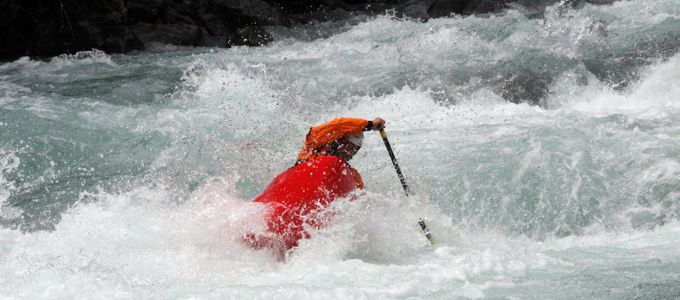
340,137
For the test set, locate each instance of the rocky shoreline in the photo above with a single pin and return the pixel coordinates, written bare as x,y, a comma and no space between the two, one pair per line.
45,28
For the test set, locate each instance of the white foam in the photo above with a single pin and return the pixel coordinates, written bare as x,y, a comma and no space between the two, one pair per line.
93,56
655,97
663,170
81,58
244,113
142,244
138,243
9,162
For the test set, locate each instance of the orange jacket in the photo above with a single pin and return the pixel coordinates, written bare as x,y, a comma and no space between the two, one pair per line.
320,137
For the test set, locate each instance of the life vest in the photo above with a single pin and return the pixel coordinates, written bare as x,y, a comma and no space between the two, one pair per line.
296,200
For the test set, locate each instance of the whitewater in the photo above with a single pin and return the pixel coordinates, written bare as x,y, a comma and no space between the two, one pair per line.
543,152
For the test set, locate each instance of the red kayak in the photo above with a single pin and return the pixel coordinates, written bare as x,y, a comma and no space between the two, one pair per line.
296,199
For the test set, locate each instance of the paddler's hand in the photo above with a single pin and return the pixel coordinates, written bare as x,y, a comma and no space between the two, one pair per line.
378,124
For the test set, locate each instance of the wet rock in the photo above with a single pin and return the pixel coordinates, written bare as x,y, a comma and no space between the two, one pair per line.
600,2
414,10
49,28
146,11
443,8
580,3
213,24
321,14
260,11
174,34
338,14
181,16
53,27
121,41
249,36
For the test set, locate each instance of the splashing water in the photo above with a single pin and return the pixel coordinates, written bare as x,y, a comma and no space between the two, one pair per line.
542,151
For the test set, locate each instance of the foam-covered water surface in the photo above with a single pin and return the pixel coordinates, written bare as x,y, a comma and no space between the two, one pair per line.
543,152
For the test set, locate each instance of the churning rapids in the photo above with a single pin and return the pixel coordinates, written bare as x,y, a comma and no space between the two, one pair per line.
544,152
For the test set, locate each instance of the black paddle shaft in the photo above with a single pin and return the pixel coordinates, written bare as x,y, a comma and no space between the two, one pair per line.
394,161
421,222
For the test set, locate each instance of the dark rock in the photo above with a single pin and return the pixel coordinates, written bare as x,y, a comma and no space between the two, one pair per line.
184,8
414,9
90,34
297,6
173,16
175,34
374,7
23,28
260,11
524,87
321,14
124,40
580,3
249,36
147,11
529,8
338,14
337,3
53,27
210,40
443,8
600,2
213,25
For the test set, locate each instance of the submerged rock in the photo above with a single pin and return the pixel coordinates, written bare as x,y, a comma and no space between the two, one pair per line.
524,87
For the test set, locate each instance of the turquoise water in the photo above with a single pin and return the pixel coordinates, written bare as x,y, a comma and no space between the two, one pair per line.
131,176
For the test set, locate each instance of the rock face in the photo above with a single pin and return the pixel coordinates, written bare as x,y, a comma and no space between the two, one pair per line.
51,27
249,36
174,34
46,28
443,8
